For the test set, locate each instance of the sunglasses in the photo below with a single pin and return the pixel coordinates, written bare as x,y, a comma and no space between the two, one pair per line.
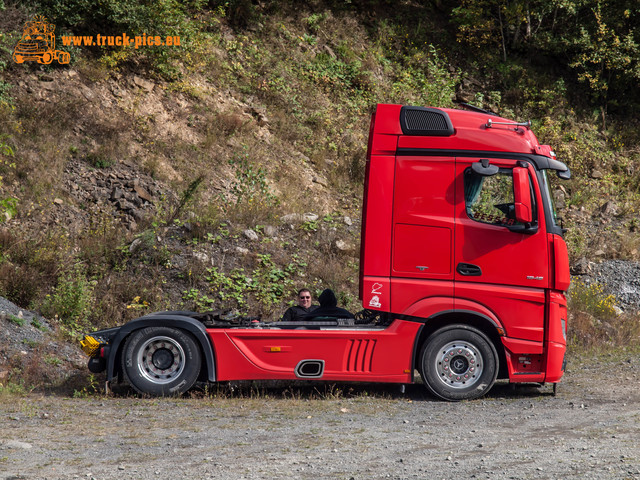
302,298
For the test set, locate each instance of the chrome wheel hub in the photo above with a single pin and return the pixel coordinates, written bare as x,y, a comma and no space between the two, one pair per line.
459,364
161,359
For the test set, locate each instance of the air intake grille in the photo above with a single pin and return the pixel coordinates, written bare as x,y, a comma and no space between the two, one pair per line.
425,121
360,355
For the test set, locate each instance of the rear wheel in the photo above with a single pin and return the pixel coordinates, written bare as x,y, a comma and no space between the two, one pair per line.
161,361
46,58
458,363
63,57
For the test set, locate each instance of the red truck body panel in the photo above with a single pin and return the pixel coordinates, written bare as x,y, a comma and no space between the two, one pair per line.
380,355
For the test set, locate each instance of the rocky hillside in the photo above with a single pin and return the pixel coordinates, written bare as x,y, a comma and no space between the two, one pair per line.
228,172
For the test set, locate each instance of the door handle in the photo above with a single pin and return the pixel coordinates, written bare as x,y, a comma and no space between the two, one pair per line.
468,270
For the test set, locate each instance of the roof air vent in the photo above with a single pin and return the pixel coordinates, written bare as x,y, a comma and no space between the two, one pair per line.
425,121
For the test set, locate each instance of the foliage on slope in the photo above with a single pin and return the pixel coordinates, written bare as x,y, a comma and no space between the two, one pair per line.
263,111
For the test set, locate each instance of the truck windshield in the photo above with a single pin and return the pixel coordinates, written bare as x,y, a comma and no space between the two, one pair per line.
546,192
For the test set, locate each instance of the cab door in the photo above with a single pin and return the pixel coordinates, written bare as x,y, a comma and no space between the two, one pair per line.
500,264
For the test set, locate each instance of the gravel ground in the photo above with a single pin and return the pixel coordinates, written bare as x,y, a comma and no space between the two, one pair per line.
590,430
618,277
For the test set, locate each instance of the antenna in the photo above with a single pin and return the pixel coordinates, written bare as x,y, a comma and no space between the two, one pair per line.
490,123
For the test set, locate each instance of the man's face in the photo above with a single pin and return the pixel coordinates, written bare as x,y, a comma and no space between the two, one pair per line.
304,299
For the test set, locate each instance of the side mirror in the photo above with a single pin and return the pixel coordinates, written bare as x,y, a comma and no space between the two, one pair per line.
522,195
483,168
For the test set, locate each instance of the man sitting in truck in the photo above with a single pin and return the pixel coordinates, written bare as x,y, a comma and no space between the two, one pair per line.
328,307
304,307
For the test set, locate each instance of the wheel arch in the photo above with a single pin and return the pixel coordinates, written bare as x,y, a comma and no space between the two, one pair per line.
485,324
162,319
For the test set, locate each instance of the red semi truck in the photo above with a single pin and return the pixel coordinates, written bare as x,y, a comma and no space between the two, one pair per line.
463,270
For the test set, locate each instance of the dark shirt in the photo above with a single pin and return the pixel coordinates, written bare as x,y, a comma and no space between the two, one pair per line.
295,313
328,307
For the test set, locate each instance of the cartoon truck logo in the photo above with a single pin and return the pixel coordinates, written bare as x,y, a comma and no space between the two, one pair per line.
39,43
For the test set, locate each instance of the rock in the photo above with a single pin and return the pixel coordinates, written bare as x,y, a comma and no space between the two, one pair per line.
309,217
135,245
16,444
137,215
343,246
348,221
87,92
142,83
258,113
270,230
559,199
203,257
581,267
600,253
58,201
116,193
609,209
242,250
328,49
143,194
122,204
251,235
320,181
596,174
292,218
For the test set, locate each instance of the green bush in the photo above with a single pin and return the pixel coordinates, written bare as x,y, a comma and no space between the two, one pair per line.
267,285
591,298
71,301
131,17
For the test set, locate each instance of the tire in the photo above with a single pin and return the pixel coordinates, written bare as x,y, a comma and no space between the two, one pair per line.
46,58
458,362
161,361
18,58
63,57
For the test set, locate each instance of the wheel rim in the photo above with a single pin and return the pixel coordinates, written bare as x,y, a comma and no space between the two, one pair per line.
161,359
459,364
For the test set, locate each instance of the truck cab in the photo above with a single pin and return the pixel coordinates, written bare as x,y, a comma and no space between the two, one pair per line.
38,43
459,228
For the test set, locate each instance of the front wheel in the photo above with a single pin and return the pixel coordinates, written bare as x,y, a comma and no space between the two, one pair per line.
458,363
161,361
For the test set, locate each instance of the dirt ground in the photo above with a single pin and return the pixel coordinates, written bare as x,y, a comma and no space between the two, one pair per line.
589,430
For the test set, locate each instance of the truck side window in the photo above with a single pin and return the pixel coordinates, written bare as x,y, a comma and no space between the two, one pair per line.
490,199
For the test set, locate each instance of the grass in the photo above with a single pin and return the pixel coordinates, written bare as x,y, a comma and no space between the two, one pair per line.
19,321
